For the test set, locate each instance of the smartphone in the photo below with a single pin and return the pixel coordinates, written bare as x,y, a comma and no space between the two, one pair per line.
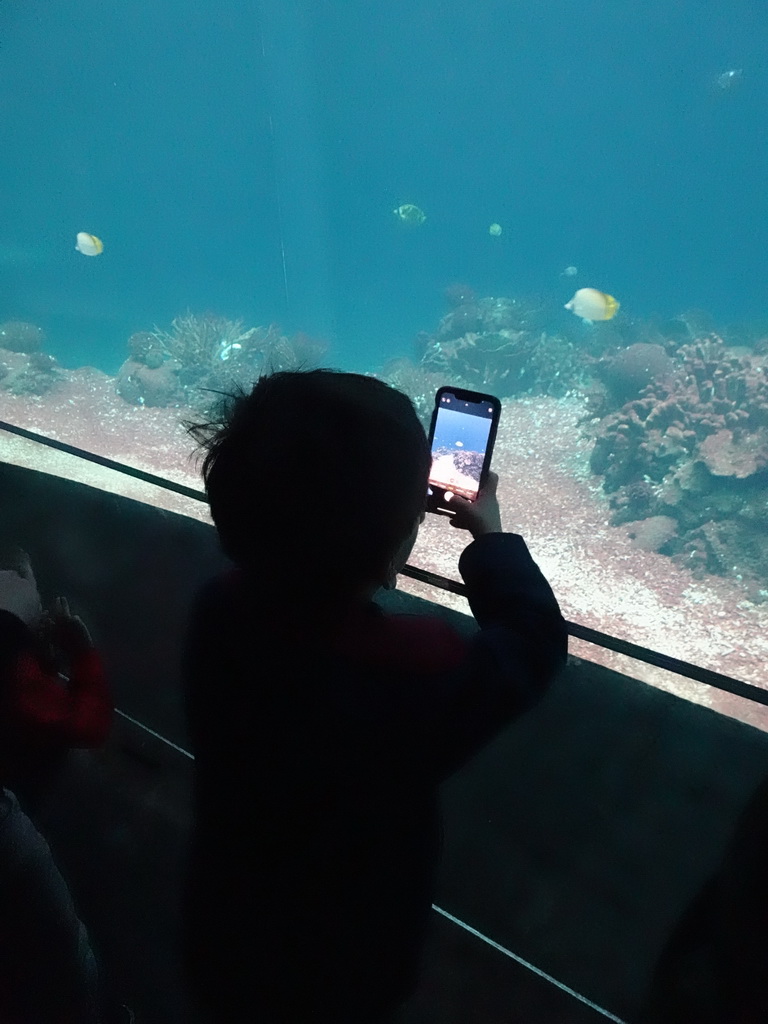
461,437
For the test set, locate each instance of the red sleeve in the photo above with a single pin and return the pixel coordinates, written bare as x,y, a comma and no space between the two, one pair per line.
410,643
74,714
426,643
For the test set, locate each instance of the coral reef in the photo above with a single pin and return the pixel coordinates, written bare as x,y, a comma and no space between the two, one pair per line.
26,370
499,344
19,336
490,344
653,533
626,371
149,383
33,374
203,354
679,416
693,447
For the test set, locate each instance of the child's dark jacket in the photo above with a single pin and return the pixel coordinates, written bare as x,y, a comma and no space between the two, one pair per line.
317,770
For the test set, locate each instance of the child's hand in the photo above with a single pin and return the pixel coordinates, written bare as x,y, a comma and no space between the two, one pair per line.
479,516
67,631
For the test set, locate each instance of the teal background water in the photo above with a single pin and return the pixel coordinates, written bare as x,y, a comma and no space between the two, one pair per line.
245,158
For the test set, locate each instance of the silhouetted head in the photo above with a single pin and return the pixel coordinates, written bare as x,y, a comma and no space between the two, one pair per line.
317,482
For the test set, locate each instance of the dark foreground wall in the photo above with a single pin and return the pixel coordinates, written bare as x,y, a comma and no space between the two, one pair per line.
573,841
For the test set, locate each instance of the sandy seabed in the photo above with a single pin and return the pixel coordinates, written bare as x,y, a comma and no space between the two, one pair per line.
546,493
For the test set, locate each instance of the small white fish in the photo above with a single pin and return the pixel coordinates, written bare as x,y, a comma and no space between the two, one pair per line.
89,245
570,272
591,304
729,79
226,351
410,214
495,230
459,444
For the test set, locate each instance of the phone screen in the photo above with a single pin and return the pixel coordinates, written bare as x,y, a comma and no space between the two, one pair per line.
462,433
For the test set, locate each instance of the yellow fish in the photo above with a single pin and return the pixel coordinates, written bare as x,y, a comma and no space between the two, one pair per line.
89,245
590,304
409,214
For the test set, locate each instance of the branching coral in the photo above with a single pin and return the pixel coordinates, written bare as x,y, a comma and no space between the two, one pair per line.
201,340
695,447
204,354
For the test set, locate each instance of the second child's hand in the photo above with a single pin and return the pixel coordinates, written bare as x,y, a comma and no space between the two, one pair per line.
64,635
68,632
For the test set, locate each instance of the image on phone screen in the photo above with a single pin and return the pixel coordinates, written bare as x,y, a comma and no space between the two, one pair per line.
462,430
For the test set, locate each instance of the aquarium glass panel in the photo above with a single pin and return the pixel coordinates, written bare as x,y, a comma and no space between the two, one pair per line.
560,205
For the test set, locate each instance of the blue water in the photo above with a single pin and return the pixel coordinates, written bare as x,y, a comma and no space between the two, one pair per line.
245,157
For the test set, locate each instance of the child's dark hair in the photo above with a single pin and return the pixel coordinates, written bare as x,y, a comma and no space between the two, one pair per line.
314,479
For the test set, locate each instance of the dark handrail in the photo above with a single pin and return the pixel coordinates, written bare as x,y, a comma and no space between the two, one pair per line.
613,643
